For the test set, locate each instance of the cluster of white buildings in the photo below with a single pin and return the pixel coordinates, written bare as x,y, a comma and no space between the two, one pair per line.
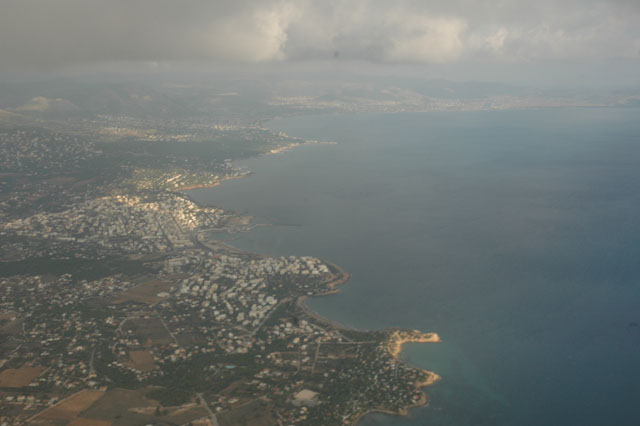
243,292
126,223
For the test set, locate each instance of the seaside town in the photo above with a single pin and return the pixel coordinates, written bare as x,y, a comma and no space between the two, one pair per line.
117,308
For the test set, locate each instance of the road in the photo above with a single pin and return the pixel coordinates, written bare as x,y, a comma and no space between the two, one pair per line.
213,417
266,317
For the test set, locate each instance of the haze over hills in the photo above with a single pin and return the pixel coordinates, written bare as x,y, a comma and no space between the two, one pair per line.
247,101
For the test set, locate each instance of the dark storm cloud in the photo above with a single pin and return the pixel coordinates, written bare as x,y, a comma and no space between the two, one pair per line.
49,33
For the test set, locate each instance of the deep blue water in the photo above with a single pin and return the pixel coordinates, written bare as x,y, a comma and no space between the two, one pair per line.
514,235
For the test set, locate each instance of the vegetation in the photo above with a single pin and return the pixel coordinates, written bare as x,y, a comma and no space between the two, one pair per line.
169,397
80,269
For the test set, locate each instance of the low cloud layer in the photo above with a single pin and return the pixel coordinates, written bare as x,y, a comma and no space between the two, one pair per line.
44,33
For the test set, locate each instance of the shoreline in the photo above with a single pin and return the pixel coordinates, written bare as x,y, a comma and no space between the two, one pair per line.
293,145
396,339
399,338
274,151
431,379
211,185
341,278
395,344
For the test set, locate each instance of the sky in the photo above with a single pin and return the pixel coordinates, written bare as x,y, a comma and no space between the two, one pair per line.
451,35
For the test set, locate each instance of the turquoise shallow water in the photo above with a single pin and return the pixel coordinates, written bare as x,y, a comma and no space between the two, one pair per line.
514,235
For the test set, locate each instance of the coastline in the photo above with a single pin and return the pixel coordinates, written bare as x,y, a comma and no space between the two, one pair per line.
341,278
212,185
396,338
395,344
290,146
399,338
432,378
274,151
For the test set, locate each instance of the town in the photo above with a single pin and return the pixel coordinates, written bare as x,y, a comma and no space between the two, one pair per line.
117,308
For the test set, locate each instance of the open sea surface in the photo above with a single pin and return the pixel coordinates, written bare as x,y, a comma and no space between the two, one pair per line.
515,235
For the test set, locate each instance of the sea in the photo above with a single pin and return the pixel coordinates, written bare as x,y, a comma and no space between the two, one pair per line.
515,235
